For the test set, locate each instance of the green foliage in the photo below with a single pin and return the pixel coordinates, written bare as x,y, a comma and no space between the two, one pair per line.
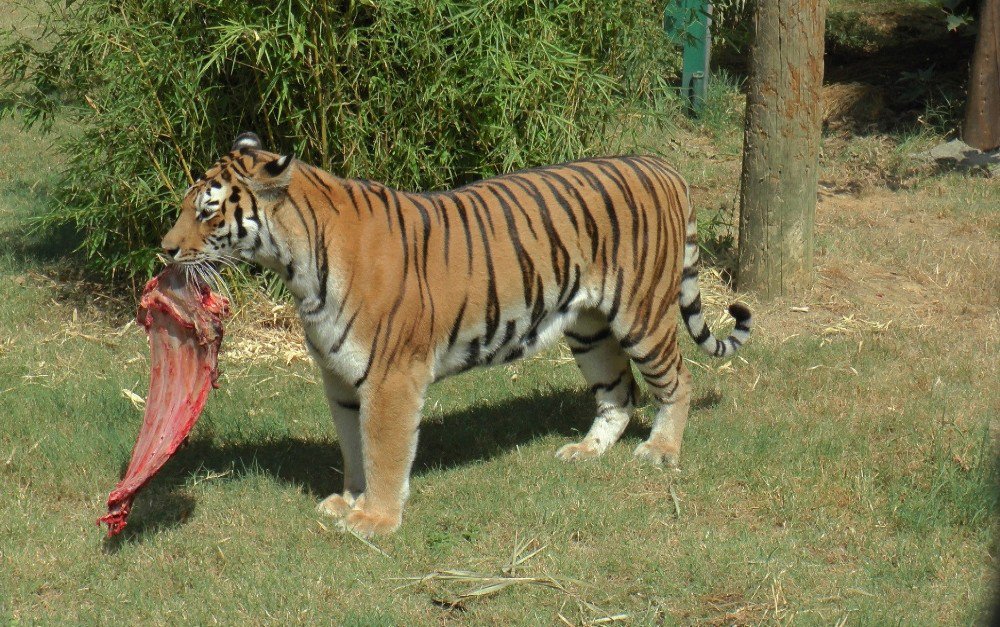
725,106
420,94
958,13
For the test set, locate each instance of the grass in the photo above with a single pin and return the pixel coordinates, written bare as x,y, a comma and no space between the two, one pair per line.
843,468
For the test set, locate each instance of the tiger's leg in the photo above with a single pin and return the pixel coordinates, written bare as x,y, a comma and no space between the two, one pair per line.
669,383
344,407
390,418
606,369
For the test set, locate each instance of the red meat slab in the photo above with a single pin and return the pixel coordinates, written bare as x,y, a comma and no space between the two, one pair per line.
183,319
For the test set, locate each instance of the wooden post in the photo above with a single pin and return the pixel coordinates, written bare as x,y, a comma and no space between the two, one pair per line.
982,112
781,147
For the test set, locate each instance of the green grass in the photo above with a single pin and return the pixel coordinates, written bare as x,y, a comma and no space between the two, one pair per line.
844,467
825,475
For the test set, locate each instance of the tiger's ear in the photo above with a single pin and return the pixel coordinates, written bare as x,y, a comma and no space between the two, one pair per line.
248,141
278,167
272,179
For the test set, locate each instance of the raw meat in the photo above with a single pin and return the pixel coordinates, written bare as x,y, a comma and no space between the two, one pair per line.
183,319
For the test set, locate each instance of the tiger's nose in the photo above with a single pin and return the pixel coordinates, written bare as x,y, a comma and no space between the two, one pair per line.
172,252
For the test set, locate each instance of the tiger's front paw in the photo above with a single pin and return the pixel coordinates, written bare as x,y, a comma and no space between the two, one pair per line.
659,453
337,505
367,524
578,452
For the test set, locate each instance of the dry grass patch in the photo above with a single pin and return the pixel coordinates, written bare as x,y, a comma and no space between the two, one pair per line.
886,259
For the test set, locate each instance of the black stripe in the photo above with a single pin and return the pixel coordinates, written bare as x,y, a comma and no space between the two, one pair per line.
316,175
691,309
380,193
628,342
616,177
659,374
703,335
492,299
502,185
453,335
366,194
486,211
371,356
567,298
508,335
241,230
561,201
740,312
589,339
523,258
464,216
472,358
322,260
609,206
425,218
589,224
656,355
538,313
442,213
617,299
517,353
354,200
558,252
387,194
336,346
607,386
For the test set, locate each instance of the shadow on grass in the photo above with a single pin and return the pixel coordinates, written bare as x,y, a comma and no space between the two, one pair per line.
462,437
29,243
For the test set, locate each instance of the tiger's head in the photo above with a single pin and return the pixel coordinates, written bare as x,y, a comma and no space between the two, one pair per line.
224,215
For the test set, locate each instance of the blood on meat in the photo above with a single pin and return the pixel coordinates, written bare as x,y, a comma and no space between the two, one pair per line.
183,319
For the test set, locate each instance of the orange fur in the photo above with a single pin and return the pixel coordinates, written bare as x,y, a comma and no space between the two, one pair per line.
398,289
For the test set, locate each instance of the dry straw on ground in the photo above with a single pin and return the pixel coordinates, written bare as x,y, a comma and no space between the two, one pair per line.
477,585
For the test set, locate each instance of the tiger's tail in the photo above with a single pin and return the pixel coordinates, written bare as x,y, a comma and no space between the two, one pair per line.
690,302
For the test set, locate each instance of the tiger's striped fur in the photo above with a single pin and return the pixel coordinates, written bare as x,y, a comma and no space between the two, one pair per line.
396,290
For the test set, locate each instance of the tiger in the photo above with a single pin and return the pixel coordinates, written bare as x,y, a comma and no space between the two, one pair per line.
396,290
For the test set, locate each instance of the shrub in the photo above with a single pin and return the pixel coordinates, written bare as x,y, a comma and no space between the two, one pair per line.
420,94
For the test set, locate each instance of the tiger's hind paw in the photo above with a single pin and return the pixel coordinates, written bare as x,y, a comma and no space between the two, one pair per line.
665,455
367,524
577,452
337,505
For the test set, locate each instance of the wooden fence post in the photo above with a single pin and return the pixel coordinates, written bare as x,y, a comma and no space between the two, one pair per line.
781,147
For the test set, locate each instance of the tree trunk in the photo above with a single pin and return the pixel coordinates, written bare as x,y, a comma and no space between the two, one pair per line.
781,147
982,112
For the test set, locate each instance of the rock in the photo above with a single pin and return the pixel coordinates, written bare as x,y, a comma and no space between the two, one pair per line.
959,155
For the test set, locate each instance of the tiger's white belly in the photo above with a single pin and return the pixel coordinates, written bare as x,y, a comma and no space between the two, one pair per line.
514,338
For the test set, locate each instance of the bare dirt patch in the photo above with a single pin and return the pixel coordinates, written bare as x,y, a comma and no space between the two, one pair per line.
892,262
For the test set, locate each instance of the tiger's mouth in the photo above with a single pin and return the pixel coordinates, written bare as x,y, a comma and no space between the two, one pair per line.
204,268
